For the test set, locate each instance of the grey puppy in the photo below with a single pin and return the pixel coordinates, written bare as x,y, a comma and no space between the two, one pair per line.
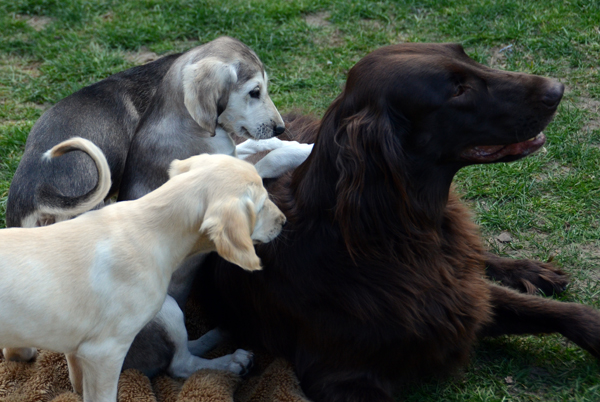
182,104
220,88
173,108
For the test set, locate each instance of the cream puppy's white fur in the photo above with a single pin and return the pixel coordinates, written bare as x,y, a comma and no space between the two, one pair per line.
86,286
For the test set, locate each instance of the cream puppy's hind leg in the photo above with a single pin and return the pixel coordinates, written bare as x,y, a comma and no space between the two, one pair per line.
19,354
87,202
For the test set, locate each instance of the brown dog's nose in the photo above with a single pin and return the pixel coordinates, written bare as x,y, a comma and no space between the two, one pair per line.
553,94
279,130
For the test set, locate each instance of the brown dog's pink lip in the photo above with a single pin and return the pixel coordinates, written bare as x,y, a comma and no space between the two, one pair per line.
492,153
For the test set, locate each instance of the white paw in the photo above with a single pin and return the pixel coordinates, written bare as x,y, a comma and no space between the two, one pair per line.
251,147
282,160
241,362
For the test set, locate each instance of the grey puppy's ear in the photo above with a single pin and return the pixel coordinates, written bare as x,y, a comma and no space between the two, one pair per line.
206,85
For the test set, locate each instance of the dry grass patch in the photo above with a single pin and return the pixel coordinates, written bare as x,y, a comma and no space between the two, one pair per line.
38,23
318,20
142,56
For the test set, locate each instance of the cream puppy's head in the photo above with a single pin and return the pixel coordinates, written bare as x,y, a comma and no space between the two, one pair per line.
238,212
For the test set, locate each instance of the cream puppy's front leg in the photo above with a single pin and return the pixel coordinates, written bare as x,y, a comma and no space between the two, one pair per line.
100,365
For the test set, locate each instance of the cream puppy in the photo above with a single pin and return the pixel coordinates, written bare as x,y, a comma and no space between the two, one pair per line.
86,286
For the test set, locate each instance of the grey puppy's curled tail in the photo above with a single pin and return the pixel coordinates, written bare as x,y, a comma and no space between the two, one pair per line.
52,202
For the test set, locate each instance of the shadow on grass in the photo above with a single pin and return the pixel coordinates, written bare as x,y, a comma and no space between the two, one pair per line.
517,368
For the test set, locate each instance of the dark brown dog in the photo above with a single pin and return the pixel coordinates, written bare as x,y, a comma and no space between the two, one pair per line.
379,274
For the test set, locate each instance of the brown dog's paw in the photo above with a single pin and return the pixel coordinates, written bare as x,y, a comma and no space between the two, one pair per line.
527,276
537,276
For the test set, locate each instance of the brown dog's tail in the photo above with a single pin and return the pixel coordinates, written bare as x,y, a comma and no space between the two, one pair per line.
50,201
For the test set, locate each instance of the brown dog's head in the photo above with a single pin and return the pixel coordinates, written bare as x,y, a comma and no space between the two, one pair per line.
427,110
409,117
447,108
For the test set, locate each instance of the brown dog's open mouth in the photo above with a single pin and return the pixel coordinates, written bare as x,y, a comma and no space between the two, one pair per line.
493,153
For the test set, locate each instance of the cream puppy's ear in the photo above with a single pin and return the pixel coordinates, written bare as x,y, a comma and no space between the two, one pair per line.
229,226
206,87
179,167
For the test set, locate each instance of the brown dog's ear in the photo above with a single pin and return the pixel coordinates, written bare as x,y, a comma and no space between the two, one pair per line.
369,151
206,86
229,226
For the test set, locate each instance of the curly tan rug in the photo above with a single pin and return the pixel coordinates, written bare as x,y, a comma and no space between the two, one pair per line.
47,379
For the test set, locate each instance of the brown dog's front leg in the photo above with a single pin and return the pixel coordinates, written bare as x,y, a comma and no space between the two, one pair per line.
517,314
526,276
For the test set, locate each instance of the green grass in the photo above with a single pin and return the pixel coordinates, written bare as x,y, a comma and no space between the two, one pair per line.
547,202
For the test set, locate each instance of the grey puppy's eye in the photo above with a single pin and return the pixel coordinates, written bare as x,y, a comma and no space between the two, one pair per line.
255,93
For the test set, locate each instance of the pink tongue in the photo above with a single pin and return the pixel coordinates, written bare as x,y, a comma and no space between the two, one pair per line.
476,153
489,153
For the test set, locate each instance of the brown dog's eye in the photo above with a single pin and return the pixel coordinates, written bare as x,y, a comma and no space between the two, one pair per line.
255,93
458,91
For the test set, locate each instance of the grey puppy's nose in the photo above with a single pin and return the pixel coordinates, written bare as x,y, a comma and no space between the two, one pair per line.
279,130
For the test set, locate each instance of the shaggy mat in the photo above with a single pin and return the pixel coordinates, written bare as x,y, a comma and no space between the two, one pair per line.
47,379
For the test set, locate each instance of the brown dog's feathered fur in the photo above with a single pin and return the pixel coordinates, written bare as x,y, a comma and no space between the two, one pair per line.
379,274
